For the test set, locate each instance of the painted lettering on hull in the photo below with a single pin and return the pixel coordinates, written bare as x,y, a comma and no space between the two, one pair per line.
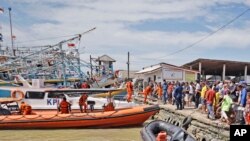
52,101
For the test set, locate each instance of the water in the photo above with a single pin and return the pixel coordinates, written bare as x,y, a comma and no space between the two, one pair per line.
114,134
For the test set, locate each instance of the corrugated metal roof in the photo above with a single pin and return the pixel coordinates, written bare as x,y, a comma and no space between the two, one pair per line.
149,69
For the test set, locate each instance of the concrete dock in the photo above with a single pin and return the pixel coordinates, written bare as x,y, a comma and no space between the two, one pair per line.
201,127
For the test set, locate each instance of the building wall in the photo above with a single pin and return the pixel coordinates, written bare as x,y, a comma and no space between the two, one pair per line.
124,74
169,74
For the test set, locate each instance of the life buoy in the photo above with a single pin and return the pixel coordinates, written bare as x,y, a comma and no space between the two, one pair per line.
19,92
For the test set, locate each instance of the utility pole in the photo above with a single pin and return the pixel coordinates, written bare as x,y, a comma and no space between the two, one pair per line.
128,65
91,71
11,34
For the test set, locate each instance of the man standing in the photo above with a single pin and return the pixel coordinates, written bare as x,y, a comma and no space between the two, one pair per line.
178,96
165,94
129,86
82,102
197,93
210,98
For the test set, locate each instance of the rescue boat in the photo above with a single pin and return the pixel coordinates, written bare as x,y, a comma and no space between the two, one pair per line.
159,130
53,120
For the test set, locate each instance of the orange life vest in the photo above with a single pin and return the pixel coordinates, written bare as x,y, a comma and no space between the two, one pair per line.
162,136
109,107
147,90
27,110
64,107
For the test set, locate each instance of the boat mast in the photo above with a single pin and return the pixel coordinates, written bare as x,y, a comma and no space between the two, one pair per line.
11,34
63,64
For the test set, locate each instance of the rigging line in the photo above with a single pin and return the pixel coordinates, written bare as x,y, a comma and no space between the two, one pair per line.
51,38
207,36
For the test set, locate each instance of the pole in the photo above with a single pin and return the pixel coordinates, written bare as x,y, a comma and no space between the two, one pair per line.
63,64
79,64
91,71
11,34
128,65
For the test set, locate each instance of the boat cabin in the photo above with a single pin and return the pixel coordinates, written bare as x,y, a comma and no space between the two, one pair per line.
50,98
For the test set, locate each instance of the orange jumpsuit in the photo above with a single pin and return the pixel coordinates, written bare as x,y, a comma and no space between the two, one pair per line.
129,91
27,110
64,107
159,91
22,107
82,102
146,92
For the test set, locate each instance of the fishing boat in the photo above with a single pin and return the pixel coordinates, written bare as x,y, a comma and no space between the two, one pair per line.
53,120
164,131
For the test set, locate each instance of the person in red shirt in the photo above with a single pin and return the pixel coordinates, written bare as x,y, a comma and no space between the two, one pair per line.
210,98
129,90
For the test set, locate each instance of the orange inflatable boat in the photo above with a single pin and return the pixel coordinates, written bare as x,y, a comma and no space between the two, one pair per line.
102,119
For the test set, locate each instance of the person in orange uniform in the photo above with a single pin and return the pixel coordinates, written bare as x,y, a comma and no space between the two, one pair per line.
129,90
146,92
25,109
159,91
82,102
64,106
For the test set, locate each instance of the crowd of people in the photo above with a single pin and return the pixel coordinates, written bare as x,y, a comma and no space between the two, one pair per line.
226,100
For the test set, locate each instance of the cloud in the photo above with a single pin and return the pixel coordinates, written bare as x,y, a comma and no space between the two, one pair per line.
114,36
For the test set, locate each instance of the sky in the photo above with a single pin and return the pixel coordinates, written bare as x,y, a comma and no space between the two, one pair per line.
153,31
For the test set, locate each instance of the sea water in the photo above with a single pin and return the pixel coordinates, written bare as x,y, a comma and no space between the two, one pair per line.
113,134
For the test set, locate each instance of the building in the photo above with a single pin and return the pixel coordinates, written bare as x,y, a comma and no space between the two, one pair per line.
168,72
223,69
123,74
105,64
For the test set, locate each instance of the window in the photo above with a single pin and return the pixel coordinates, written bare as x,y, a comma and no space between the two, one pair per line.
34,95
55,95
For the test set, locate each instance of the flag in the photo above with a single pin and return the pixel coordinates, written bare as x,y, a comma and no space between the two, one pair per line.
71,45
13,37
1,10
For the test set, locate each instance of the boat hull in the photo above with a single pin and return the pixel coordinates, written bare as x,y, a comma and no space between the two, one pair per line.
121,118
